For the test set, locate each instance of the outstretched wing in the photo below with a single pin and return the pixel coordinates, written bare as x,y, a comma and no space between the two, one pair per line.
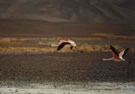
124,52
114,52
62,45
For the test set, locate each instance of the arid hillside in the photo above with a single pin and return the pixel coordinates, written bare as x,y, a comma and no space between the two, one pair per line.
108,11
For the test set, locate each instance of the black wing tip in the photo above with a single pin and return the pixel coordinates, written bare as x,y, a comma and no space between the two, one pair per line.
127,48
59,48
114,50
111,46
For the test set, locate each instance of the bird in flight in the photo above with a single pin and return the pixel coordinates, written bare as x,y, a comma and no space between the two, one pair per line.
117,56
63,43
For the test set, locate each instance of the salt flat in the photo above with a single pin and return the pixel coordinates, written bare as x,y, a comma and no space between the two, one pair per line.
71,88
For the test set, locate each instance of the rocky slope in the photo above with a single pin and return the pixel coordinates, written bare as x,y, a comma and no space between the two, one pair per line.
108,11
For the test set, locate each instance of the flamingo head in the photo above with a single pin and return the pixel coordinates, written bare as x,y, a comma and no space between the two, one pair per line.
122,59
72,43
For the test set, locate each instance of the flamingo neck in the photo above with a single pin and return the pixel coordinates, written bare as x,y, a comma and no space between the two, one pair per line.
54,45
107,59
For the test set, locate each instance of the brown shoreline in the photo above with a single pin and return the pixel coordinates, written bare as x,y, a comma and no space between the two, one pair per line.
65,67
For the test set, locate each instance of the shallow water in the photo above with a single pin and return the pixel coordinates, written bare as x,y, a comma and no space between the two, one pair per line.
70,88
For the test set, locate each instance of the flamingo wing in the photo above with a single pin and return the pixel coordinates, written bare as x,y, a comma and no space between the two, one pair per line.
114,51
62,45
124,52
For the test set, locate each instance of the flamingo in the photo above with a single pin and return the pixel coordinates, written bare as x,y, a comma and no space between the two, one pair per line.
63,43
117,56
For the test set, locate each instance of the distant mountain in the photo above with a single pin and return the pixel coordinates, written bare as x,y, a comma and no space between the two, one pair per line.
108,11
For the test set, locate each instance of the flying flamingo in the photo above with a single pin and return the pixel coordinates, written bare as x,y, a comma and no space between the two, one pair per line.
117,56
63,43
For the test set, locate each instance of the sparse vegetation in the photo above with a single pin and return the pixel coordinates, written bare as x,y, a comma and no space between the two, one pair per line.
42,45
85,47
